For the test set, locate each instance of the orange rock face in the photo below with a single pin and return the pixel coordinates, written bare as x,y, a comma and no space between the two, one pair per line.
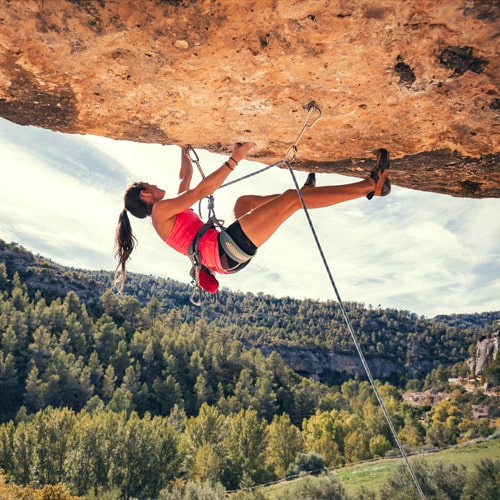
419,78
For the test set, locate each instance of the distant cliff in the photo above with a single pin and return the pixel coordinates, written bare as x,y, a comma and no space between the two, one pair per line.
486,352
325,365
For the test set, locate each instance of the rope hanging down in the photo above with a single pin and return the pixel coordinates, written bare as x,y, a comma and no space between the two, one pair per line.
346,318
287,161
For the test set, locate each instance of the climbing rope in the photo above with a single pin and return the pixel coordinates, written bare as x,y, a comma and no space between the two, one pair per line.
352,334
309,122
287,161
290,156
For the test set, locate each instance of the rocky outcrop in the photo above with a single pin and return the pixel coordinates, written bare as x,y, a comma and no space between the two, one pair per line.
486,353
416,77
323,364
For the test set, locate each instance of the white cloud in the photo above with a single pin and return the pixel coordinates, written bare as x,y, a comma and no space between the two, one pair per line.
419,251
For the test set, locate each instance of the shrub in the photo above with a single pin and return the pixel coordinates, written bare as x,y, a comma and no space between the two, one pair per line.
309,462
324,487
484,482
436,481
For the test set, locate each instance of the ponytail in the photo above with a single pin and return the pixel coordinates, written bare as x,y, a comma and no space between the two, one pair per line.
125,243
124,239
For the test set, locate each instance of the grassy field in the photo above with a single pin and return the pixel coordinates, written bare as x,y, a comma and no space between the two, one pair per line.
372,475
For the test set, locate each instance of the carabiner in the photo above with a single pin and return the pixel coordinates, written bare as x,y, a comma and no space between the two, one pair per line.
193,156
292,152
312,106
196,297
191,153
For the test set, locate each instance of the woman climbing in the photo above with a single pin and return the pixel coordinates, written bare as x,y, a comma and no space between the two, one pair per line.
257,217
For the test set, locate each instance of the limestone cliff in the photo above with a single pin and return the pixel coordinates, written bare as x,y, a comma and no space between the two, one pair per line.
418,77
486,352
327,365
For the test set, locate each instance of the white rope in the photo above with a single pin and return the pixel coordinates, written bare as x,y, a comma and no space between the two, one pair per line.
353,336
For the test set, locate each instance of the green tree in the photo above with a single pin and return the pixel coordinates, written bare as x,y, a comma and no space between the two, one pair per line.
120,359
245,446
443,421
66,380
108,383
24,442
9,341
52,430
357,446
92,457
42,346
379,446
412,432
34,397
7,432
324,433
147,454
167,394
121,401
203,444
10,389
107,337
311,462
285,443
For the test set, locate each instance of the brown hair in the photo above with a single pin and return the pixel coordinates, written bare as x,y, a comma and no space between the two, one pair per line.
125,241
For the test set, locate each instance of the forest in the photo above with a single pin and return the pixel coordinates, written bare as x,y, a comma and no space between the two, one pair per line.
134,393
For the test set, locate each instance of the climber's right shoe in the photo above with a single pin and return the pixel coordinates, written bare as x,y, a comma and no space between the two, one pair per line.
310,181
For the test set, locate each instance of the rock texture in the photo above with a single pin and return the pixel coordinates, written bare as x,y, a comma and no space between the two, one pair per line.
418,77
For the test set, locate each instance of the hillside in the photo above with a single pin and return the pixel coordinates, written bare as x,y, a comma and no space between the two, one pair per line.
240,393
309,335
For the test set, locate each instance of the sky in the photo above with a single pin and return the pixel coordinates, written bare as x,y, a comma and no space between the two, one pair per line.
429,254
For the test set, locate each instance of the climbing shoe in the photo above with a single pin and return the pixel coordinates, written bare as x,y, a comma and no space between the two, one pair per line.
310,181
382,188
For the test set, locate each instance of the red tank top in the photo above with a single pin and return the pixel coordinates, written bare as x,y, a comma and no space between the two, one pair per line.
186,225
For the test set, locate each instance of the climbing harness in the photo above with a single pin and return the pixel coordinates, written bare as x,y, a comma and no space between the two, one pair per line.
203,278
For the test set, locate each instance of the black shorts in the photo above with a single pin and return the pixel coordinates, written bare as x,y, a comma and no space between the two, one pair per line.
235,248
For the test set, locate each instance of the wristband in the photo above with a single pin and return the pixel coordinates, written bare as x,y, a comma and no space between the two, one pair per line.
228,166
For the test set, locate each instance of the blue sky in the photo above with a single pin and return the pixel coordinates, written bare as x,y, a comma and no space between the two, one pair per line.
60,196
